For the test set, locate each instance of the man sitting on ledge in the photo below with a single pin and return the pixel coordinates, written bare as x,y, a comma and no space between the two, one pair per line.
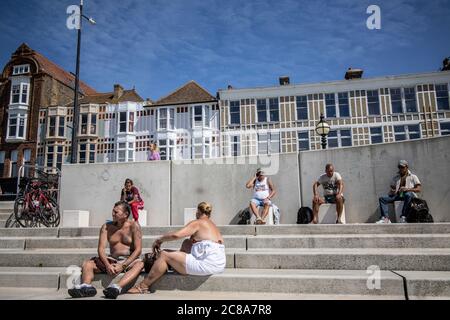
263,192
404,187
125,242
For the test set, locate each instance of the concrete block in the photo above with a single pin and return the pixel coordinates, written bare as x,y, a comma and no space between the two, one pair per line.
427,284
75,218
398,208
269,218
328,215
189,215
143,218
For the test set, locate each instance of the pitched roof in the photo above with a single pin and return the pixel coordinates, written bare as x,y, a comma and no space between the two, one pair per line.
52,69
189,93
101,98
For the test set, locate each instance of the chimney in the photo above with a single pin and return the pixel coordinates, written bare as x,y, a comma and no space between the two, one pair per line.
230,87
446,64
118,91
284,81
353,74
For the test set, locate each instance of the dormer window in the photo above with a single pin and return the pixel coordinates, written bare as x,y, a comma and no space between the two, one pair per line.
22,69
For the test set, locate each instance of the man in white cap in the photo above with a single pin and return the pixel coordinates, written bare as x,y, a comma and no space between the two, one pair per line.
404,187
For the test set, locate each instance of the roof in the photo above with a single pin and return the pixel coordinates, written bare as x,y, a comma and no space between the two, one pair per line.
52,69
101,98
189,93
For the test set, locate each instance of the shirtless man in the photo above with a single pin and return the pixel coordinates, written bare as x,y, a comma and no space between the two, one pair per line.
125,242
201,255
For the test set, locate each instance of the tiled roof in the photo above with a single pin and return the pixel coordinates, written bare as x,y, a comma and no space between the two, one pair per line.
102,98
189,93
52,69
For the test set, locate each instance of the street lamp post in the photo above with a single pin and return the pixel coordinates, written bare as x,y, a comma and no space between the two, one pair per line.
76,111
323,129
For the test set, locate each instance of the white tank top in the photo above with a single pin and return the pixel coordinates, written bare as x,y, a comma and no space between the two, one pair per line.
261,189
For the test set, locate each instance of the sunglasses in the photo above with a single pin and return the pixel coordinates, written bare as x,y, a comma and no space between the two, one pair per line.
400,167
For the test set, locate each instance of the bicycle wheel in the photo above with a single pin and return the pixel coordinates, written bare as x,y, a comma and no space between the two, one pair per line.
12,222
50,214
22,216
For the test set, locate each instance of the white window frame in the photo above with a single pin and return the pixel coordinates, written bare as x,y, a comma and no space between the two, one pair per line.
307,108
338,107
14,160
206,117
339,138
239,113
447,131
406,132
367,102
18,117
377,135
21,69
170,121
22,86
308,139
448,96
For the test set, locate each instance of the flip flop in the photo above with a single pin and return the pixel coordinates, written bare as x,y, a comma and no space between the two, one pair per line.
139,290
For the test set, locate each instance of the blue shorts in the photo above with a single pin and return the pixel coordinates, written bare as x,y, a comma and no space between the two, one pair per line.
260,203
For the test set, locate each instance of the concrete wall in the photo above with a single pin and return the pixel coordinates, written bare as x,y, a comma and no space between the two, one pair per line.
169,187
367,173
223,185
96,187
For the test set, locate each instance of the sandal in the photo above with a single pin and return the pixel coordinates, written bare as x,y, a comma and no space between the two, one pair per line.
138,290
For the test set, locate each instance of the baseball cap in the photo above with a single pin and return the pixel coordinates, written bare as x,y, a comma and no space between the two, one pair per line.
403,163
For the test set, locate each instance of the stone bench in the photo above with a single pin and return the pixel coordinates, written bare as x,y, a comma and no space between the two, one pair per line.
269,218
328,215
143,218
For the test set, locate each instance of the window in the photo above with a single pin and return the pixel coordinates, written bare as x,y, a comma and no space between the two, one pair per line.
340,138
330,102
274,110
410,100
344,106
16,126
123,122
24,93
442,97
198,148
261,109
84,124
303,141
14,169
373,102
302,108
407,132
19,93
263,147
198,116
82,153
396,100
2,162
166,117
61,126
235,112
26,162
122,152
93,124
445,129
376,135
52,126
131,122
235,146
22,69
15,94
274,144
92,153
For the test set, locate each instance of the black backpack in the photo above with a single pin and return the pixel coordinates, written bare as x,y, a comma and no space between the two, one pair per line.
418,212
305,215
244,216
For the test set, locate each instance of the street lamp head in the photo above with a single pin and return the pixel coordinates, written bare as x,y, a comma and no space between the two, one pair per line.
92,21
322,128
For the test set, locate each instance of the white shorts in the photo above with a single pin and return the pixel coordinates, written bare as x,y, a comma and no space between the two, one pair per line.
206,258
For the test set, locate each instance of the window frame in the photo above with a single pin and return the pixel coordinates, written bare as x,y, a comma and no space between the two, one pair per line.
231,113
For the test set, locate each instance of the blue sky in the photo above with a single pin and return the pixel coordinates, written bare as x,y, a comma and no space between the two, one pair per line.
158,45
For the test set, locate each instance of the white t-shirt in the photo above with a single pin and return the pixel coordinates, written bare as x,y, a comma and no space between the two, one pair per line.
329,185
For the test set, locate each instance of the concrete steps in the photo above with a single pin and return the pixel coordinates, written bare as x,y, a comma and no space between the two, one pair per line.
297,260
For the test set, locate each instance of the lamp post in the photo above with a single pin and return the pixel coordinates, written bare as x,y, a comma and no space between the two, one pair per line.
76,111
323,129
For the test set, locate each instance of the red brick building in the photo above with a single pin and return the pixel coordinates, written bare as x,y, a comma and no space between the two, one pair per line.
29,83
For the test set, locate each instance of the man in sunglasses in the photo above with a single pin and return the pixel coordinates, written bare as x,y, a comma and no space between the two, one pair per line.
404,187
